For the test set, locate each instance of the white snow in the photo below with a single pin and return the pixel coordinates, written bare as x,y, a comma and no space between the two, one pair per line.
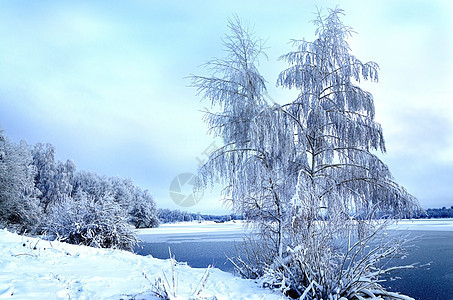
55,270
424,224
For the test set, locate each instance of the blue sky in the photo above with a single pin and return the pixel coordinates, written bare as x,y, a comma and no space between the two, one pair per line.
105,82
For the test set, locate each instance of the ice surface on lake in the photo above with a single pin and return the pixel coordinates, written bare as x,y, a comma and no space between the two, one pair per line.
424,224
193,231
208,230
432,251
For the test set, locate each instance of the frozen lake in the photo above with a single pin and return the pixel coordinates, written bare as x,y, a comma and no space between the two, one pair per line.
197,244
208,243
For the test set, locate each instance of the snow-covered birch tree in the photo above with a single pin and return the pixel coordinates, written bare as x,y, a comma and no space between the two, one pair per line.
336,127
257,161
343,186
306,173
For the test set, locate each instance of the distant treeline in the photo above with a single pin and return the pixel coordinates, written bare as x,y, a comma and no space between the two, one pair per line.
171,216
439,213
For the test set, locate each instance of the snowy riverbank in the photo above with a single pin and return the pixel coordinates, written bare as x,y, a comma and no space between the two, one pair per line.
31,268
61,271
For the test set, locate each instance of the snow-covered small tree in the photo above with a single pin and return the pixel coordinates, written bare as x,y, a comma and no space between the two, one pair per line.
93,184
143,212
123,190
44,161
53,179
139,205
19,208
64,177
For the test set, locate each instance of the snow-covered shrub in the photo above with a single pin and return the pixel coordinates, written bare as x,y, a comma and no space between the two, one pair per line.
335,266
84,220
254,256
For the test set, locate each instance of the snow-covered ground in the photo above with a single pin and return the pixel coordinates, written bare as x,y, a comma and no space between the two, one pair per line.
31,268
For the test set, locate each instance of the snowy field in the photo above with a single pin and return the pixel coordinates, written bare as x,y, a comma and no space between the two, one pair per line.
61,271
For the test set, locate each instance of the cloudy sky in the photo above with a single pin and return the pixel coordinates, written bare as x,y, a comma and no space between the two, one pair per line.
106,82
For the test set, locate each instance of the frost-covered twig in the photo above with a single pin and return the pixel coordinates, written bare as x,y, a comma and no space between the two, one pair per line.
29,254
202,282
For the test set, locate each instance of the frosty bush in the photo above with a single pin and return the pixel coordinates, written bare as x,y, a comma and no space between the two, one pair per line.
333,266
98,223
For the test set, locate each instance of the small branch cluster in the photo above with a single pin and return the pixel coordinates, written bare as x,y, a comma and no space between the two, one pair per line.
167,289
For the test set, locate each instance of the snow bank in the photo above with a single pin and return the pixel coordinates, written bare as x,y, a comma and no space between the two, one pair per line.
31,268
